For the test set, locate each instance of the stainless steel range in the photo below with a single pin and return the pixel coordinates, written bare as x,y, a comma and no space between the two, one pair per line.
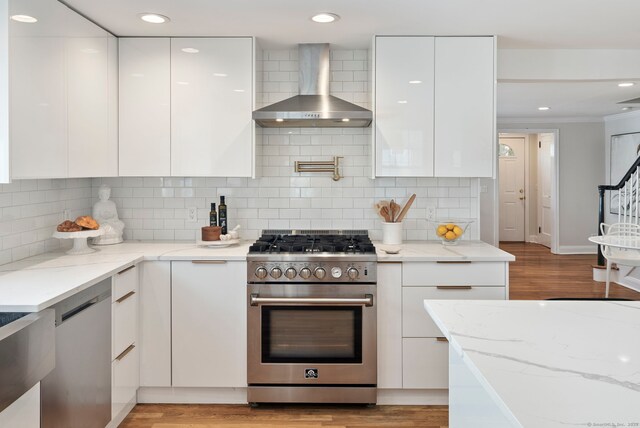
311,315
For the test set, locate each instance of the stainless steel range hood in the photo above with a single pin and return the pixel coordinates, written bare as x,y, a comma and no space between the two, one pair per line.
313,107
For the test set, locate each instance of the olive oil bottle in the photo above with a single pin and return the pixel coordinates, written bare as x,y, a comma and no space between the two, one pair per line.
213,215
222,215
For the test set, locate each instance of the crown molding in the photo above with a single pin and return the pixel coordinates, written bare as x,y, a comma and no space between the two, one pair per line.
502,120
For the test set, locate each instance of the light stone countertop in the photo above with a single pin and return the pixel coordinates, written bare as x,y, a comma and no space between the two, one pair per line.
550,363
38,282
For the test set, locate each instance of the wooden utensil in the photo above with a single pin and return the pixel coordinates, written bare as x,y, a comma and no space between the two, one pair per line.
384,211
406,207
395,211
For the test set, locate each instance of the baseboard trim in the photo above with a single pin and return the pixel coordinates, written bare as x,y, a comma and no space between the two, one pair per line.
172,395
413,397
577,249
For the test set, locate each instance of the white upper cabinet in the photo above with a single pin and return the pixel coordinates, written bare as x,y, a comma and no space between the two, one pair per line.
464,109
434,106
404,106
211,105
38,98
145,112
61,98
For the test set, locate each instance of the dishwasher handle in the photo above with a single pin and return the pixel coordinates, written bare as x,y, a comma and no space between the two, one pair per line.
82,301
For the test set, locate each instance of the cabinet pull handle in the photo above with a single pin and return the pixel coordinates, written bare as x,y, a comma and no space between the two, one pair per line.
441,339
453,287
389,263
454,262
125,297
208,262
125,352
127,269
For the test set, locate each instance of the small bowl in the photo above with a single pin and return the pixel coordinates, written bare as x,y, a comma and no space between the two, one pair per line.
211,233
451,230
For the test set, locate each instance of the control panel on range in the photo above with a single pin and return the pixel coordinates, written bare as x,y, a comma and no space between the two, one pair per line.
310,272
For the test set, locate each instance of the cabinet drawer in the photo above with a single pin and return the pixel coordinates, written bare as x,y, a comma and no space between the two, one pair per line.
425,363
124,380
416,322
124,282
454,273
125,322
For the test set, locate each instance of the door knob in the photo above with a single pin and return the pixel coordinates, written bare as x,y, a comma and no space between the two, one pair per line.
522,198
521,190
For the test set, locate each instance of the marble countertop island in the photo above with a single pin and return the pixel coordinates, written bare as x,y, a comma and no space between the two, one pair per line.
542,363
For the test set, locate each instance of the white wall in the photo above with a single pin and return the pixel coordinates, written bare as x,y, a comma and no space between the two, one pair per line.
30,210
581,149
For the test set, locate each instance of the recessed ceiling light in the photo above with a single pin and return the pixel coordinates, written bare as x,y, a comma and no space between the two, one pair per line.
89,50
154,18
402,102
415,82
279,120
238,90
182,83
543,108
137,75
190,50
24,19
220,74
345,119
625,84
626,108
325,18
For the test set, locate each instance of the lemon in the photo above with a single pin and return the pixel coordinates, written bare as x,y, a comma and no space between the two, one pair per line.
458,231
450,236
442,229
450,226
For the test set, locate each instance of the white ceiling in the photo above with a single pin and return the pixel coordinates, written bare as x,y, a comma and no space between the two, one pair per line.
519,24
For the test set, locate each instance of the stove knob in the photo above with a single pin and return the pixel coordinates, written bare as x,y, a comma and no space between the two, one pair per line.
290,273
261,272
353,273
305,273
276,273
320,273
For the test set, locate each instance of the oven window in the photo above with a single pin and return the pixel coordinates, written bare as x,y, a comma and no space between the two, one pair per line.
311,334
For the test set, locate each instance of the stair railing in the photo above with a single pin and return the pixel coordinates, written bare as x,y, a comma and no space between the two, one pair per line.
628,201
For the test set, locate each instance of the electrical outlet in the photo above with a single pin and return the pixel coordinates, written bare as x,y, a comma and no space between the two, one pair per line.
192,214
431,212
65,215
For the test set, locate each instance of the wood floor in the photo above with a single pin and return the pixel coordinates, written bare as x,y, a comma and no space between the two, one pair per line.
537,274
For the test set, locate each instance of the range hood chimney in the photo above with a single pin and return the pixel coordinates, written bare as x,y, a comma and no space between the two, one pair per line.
313,107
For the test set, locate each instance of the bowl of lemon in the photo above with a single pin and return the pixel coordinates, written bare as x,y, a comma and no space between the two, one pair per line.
451,230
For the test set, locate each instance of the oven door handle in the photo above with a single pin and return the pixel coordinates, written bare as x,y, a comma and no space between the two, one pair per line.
367,300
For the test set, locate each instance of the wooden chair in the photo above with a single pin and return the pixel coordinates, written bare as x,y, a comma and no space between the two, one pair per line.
619,256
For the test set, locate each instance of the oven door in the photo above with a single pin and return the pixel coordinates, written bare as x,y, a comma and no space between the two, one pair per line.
311,334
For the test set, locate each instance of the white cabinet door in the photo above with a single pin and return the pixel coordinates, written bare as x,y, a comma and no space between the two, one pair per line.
91,152
38,98
211,106
464,107
209,333
404,73
24,412
155,324
425,363
416,322
389,305
125,375
145,112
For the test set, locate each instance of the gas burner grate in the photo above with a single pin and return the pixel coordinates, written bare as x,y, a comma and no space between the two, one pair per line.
272,242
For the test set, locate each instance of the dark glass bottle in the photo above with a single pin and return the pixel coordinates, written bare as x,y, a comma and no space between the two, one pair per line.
213,215
222,215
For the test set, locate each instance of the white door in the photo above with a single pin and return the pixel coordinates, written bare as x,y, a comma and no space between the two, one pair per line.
512,202
545,180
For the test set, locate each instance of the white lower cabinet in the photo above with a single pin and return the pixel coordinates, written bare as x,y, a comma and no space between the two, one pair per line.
389,311
125,364
125,374
209,328
416,349
425,363
24,412
155,324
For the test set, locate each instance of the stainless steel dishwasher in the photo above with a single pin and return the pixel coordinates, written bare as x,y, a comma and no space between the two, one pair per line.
77,393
